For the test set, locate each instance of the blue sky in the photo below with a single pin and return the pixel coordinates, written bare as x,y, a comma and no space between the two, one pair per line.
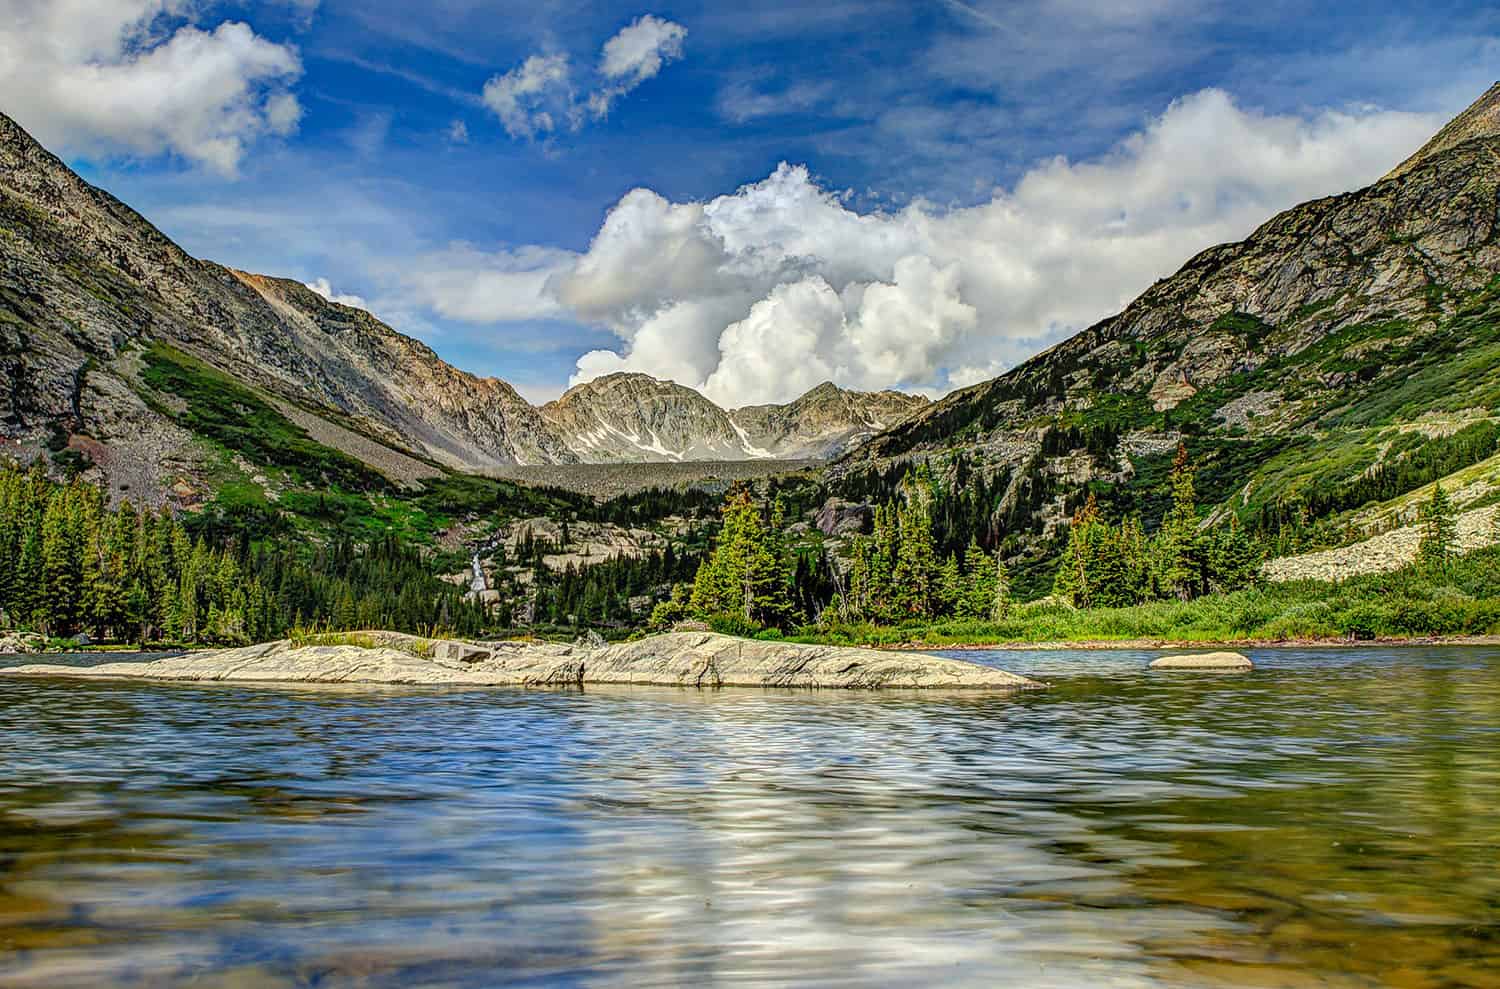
966,183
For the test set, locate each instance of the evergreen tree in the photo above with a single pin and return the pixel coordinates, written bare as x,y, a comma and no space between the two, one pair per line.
1234,558
1180,547
1078,572
950,586
915,576
62,579
1000,604
743,577
980,578
1439,543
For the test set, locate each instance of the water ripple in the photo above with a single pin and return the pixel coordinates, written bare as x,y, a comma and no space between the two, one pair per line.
1330,820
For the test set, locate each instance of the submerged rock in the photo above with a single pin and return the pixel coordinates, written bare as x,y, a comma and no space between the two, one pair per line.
684,659
1204,661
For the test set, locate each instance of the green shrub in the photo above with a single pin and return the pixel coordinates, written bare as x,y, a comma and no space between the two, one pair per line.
736,625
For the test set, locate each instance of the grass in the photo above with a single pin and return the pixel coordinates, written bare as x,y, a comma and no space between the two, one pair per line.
215,405
1408,603
416,645
321,488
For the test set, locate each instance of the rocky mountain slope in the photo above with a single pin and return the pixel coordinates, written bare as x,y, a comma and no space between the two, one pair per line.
1293,364
635,417
824,422
95,303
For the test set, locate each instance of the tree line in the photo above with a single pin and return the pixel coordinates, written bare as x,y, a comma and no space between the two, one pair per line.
934,553
1113,566
70,564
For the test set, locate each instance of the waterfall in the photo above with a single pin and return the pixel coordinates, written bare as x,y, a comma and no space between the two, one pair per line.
477,582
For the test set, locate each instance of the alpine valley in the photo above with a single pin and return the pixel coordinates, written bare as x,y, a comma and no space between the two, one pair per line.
1322,377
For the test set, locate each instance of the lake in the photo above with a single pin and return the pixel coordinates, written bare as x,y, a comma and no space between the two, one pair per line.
1332,819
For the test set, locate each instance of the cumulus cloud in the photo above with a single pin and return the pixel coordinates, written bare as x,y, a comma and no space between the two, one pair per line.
538,98
759,294
90,77
325,289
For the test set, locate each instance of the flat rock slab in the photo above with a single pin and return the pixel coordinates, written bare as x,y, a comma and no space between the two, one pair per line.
1204,661
685,659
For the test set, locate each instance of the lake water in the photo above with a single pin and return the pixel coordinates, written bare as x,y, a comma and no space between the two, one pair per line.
1332,819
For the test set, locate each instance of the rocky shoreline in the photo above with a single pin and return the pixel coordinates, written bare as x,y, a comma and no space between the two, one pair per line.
679,659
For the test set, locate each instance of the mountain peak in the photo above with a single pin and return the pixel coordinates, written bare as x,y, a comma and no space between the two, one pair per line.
1481,119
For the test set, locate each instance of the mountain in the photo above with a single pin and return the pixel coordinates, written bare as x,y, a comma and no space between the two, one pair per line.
1347,339
87,287
635,417
826,421
119,346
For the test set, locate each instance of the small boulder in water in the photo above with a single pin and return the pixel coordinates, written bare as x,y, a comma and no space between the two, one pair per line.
1204,661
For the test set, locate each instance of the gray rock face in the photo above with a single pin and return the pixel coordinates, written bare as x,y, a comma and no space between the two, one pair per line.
1384,552
825,422
1204,661
635,417
842,518
678,659
1479,120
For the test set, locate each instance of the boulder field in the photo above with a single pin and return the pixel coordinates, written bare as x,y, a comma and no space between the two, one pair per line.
679,659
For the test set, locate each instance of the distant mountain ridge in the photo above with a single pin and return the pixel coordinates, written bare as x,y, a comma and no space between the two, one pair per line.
635,417
89,289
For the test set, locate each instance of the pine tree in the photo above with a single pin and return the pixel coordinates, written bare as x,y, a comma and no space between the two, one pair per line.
949,588
1439,543
61,575
1077,572
742,576
1180,547
979,582
1234,558
916,559
29,601
1000,604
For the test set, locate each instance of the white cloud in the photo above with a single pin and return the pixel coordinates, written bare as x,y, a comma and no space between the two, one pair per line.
632,56
530,99
458,132
740,102
474,286
638,51
758,294
90,77
325,289
537,98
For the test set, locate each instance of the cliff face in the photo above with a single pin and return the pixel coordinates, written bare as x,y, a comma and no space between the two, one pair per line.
1289,362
